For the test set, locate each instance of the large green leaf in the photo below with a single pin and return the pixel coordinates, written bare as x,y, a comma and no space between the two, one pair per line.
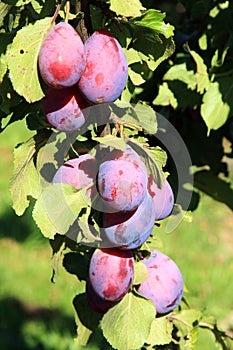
58,208
153,22
22,58
214,110
127,325
25,179
129,8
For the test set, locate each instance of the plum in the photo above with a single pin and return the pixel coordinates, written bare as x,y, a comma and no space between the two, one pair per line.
106,71
164,285
62,56
64,108
122,180
111,273
129,229
163,198
78,172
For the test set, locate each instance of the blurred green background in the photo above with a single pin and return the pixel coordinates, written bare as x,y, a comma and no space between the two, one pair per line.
38,314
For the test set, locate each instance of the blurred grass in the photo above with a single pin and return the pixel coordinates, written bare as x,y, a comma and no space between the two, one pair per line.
36,314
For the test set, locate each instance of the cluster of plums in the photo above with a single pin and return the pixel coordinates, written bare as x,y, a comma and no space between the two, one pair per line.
79,74
131,202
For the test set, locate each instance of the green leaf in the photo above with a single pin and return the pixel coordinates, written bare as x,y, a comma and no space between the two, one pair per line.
135,77
152,20
165,97
180,72
22,58
111,141
186,320
140,115
202,74
140,272
213,109
25,179
4,9
86,318
127,325
154,159
129,8
161,332
3,67
18,2
153,49
58,208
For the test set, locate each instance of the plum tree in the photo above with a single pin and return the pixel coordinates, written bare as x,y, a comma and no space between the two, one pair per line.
106,70
163,198
62,56
111,273
78,172
129,229
122,180
164,285
63,108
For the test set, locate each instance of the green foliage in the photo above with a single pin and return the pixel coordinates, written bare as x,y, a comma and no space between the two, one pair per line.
22,59
182,69
120,322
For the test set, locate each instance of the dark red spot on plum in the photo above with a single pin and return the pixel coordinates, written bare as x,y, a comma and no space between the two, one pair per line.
59,71
157,278
110,291
130,263
120,172
120,229
174,281
68,165
103,184
113,193
173,303
123,68
99,79
103,260
154,266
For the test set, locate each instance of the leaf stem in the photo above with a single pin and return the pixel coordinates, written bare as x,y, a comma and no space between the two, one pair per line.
55,14
67,11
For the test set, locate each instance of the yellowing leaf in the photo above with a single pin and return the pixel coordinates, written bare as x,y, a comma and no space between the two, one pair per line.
22,58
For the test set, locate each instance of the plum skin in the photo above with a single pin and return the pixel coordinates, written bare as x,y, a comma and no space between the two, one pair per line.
78,172
95,301
122,180
64,108
111,273
62,56
106,70
163,198
129,230
164,285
